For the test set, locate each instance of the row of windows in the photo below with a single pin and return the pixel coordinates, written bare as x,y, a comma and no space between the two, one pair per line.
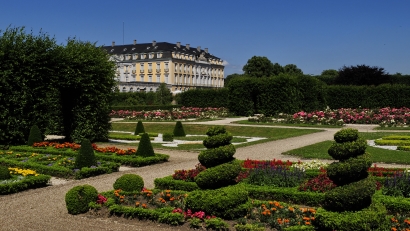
137,56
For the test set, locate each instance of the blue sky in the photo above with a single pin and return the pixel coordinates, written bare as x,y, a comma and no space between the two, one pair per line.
313,34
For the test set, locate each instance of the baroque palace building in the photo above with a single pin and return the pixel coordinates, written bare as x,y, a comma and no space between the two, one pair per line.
142,67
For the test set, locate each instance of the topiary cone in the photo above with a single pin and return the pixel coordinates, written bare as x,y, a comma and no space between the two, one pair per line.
145,148
140,128
85,156
34,136
179,130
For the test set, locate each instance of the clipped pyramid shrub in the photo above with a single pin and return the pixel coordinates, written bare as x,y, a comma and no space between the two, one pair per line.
140,128
145,148
179,130
34,136
349,206
217,181
85,156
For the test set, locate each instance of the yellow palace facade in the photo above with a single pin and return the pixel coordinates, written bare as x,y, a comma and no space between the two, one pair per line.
142,67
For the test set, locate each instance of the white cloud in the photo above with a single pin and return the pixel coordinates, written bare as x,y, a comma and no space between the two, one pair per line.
225,63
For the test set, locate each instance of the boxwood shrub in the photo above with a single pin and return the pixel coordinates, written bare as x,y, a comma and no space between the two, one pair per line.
78,198
344,151
129,183
212,157
217,140
218,176
346,135
354,169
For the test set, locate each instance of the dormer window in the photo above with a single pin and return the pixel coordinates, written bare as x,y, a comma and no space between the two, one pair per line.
151,55
143,56
159,55
135,56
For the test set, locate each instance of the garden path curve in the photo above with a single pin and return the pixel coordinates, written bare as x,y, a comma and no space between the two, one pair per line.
44,208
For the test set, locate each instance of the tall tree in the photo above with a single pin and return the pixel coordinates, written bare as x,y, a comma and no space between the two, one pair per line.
258,67
362,75
292,69
330,73
277,69
163,95
230,77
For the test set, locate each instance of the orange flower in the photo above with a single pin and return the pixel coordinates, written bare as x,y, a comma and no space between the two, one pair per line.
137,204
144,206
291,209
303,210
306,218
172,198
393,229
271,202
168,195
273,209
307,223
312,210
407,221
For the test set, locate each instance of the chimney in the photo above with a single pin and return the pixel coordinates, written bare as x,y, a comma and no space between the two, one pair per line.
206,50
154,43
187,46
179,44
135,41
199,48
113,43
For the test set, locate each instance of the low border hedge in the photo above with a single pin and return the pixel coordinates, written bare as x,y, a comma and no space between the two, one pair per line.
169,183
28,182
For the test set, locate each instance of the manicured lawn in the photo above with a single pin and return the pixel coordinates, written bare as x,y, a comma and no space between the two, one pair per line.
380,155
392,128
283,124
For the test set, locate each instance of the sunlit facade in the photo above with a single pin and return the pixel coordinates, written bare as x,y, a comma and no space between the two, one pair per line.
142,67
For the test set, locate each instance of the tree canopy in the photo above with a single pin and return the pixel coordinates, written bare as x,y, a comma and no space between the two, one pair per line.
258,67
63,89
362,75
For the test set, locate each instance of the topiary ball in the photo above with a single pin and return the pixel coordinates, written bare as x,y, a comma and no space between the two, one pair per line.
78,198
218,176
347,150
34,136
179,130
215,130
346,135
85,156
129,183
213,157
140,128
217,140
4,173
145,148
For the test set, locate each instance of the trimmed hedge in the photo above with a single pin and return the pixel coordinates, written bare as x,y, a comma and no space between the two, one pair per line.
169,183
204,98
145,148
212,157
354,169
129,183
217,140
223,202
218,176
34,136
28,182
85,156
179,130
344,151
140,128
346,135
78,198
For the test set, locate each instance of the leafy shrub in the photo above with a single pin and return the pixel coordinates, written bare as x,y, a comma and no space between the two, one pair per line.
354,169
350,197
346,135
249,227
167,137
4,173
140,128
321,183
218,176
129,183
222,202
344,151
34,136
86,156
216,224
171,218
212,157
278,176
78,198
145,148
217,140
169,183
179,130
397,185
368,219
215,130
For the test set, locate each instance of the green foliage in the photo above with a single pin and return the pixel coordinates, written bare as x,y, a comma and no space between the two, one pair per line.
129,183
242,94
34,136
351,197
249,227
212,157
353,169
28,182
217,140
86,156
346,150
300,228
145,148
230,77
369,219
4,173
222,202
144,107
346,135
215,130
172,218
179,130
163,95
258,67
167,137
292,69
361,75
140,128
216,224
169,183
204,97
278,176
73,103
78,198
218,176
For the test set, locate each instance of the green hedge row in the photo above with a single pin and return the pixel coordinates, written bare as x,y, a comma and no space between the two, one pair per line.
204,98
169,183
29,182
145,107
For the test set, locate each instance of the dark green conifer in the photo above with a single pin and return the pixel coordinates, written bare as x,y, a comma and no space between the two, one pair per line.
34,136
85,156
145,148
140,128
179,130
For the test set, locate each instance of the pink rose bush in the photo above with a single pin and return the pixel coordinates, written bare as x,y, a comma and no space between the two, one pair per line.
176,113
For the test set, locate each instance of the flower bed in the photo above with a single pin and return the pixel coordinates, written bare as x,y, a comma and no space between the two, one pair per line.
23,179
383,116
182,113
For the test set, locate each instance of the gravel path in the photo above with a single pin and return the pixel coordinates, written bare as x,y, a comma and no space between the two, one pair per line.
44,208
